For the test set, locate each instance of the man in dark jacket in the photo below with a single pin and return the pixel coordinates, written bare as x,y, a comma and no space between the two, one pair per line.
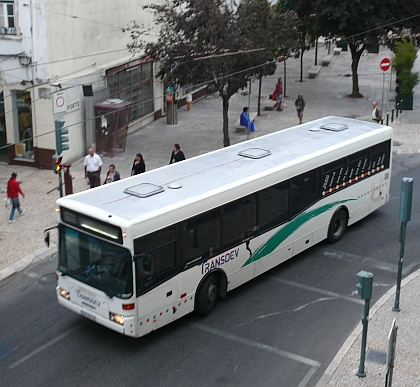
177,154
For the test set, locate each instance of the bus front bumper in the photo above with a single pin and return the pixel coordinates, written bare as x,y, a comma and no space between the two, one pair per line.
127,328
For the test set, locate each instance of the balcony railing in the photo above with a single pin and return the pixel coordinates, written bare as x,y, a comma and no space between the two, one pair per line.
8,31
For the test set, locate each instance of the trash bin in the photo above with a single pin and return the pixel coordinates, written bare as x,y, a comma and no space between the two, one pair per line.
172,113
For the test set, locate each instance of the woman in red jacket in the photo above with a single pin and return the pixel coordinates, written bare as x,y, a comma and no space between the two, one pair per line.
13,191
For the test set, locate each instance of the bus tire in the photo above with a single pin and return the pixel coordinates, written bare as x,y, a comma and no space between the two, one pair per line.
207,295
337,227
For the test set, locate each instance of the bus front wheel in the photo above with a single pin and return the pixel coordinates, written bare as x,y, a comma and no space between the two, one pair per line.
207,295
337,226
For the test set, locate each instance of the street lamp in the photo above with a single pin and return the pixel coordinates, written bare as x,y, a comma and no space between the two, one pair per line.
313,16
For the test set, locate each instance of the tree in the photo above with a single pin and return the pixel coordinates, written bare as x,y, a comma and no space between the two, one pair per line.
200,42
257,20
304,31
254,19
357,22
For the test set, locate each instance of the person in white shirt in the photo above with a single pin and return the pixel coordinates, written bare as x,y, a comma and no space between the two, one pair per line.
376,112
93,166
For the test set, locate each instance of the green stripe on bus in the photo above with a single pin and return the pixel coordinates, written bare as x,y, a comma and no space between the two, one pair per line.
281,235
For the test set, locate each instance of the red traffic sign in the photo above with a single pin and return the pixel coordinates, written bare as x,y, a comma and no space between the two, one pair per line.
385,64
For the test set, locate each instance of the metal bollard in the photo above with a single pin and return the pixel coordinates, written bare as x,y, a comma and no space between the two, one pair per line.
392,115
387,119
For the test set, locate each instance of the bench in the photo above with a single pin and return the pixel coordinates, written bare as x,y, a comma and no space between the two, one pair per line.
326,60
337,50
269,104
239,128
313,71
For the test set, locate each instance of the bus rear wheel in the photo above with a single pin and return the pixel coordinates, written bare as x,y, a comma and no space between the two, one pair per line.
337,226
207,295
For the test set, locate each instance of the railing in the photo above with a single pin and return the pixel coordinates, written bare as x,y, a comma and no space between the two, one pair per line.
8,31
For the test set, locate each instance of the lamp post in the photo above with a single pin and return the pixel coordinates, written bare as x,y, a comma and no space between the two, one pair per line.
313,16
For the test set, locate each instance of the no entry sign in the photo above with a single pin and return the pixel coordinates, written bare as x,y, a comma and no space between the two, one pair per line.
385,64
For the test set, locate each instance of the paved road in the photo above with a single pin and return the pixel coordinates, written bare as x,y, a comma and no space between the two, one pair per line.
282,329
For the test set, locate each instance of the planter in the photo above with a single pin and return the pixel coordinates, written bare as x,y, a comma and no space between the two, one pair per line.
404,102
342,44
373,48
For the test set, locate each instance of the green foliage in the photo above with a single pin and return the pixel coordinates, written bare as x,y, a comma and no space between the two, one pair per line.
408,82
207,42
403,62
405,55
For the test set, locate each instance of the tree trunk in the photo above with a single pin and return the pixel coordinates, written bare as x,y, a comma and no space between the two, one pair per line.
301,64
355,58
226,140
259,95
284,80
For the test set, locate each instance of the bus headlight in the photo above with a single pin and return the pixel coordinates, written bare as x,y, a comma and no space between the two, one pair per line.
118,318
64,293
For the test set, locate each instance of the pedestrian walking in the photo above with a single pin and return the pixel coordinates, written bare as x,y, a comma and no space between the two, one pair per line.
138,165
376,112
112,175
93,166
177,154
279,94
13,191
300,106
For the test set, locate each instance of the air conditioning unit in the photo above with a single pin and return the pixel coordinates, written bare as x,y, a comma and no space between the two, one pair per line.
44,92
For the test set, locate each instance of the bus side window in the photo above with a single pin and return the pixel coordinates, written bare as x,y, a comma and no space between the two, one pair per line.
239,218
305,191
273,206
143,262
154,258
201,236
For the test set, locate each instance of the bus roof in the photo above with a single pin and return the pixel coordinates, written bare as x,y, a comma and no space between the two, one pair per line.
171,186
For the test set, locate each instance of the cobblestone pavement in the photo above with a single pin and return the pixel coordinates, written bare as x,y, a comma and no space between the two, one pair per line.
199,131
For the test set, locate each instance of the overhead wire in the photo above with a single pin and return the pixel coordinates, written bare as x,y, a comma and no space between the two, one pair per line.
161,96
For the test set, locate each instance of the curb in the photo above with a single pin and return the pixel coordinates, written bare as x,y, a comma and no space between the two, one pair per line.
332,368
37,256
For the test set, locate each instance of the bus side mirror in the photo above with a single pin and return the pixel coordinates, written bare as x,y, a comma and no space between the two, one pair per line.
47,238
143,262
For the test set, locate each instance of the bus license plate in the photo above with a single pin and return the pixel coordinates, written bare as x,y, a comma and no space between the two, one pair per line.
88,315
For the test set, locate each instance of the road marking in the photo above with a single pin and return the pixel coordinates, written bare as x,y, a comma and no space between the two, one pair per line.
260,346
348,257
307,377
316,290
376,263
45,346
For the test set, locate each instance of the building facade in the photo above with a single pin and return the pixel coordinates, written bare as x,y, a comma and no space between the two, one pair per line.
58,58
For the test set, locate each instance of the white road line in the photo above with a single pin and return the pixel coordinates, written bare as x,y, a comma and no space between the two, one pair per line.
376,263
45,346
260,346
316,290
307,377
348,257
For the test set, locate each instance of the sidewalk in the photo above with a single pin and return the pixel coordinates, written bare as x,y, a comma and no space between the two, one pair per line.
342,370
199,131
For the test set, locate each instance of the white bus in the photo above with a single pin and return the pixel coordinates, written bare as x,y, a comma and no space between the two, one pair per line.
139,253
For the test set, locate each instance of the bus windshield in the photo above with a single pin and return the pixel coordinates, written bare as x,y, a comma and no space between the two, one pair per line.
95,262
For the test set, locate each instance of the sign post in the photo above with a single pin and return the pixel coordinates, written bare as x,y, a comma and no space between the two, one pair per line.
385,65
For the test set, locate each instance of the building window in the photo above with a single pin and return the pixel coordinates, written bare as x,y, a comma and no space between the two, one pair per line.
133,82
7,17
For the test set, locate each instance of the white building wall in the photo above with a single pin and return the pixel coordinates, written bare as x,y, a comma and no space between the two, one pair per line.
71,43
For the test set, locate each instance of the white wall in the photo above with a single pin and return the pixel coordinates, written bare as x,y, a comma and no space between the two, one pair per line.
71,42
